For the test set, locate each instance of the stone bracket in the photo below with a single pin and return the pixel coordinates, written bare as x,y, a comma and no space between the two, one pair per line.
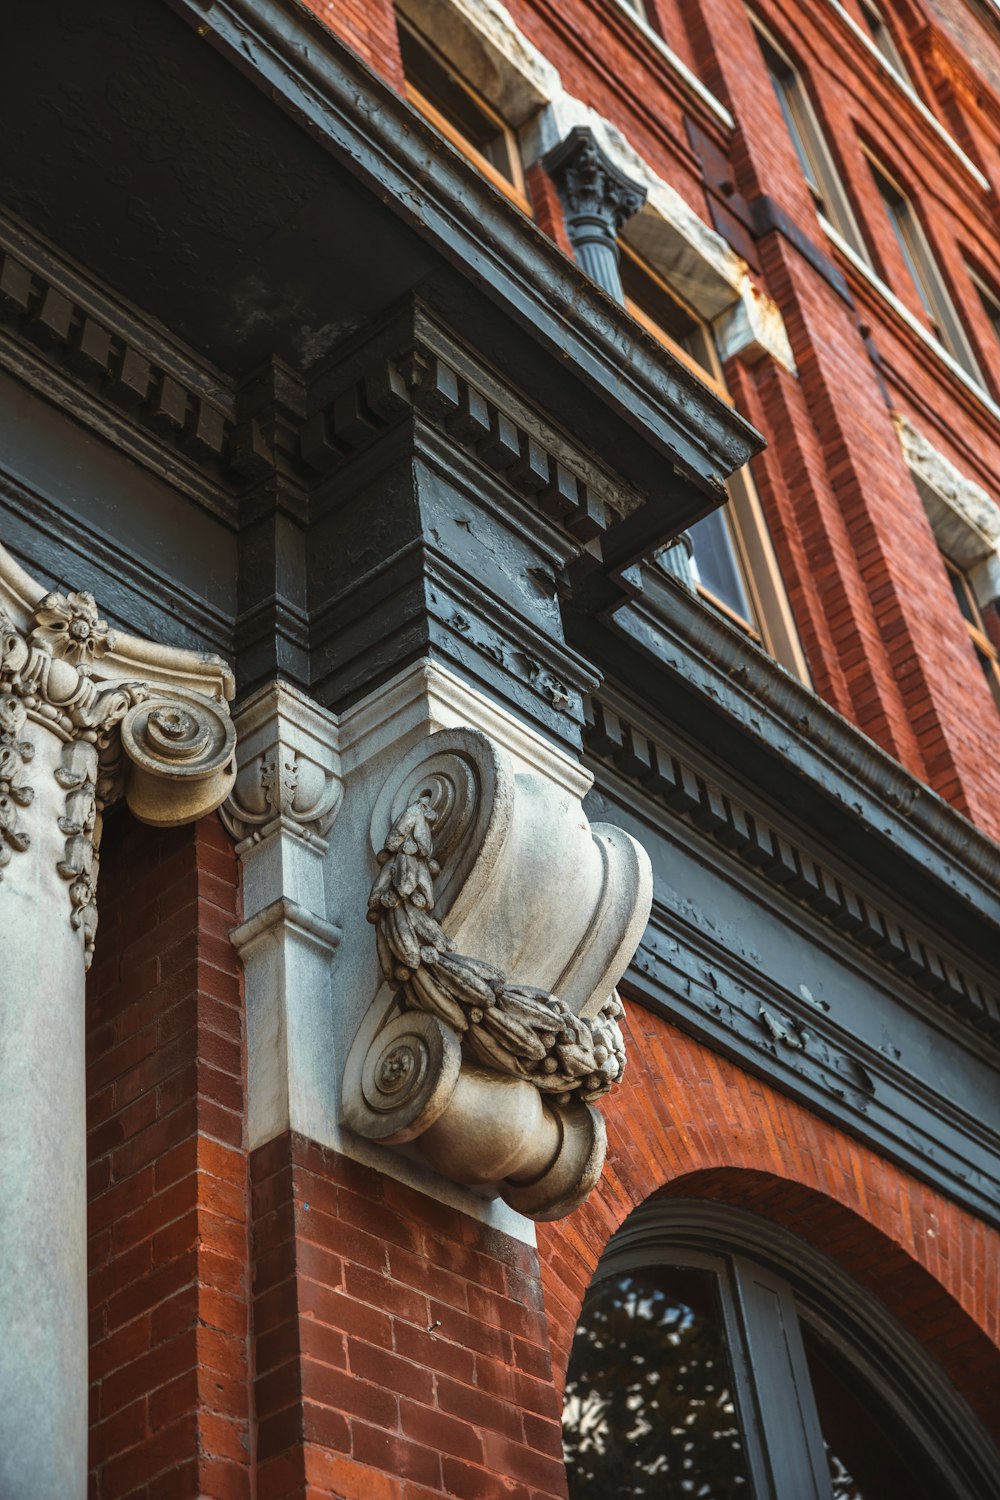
502,921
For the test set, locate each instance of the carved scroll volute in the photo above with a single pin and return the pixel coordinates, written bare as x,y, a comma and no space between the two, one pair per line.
181,751
502,923
127,716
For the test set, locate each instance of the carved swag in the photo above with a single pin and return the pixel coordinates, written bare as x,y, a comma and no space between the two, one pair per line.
513,1028
489,875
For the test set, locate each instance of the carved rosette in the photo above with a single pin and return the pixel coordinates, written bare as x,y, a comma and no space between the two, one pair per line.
495,1077
167,750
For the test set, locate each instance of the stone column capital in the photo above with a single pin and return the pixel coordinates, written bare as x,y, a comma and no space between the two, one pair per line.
598,198
134,719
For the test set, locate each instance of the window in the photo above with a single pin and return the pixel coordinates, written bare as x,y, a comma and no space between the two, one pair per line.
989,299
924,272
883,38
810,146
986,653
718,1356
731,562
451,105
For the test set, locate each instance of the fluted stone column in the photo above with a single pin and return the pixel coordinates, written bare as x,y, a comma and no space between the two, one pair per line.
84,719
597,200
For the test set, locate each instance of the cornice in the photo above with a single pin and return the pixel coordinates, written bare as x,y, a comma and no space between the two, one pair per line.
820,752
381,140
674,781
115,370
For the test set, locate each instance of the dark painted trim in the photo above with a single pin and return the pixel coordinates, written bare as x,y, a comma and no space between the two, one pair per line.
754,973
112,369
294,59
821,767
781,859
769,217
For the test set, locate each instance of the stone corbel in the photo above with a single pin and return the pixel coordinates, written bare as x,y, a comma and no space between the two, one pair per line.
502,921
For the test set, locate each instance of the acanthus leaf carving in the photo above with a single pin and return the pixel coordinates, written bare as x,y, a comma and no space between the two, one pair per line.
15,792
288,777
167,748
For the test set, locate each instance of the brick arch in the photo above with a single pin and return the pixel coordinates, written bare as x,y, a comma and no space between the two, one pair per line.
688,1122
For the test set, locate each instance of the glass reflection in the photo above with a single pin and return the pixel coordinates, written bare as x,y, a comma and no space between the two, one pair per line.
649,1407
715,567
869,1454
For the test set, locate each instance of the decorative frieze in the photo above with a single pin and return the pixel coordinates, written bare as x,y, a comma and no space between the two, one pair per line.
747,835
534,462
103,350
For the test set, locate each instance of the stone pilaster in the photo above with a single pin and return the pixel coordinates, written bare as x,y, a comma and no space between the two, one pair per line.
85,719
283,806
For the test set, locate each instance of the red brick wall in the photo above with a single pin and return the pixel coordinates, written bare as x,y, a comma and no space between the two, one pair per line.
340,1336
369,28
885,642
168,1252
401,1347
688,1122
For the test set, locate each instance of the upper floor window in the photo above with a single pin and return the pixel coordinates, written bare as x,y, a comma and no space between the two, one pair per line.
883,37
461,114
987,654
924,272
989,299
817,164
732,564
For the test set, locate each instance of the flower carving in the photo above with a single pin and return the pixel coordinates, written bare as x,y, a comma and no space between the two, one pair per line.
69,626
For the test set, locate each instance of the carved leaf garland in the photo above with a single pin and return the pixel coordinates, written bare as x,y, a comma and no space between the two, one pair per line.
512,1028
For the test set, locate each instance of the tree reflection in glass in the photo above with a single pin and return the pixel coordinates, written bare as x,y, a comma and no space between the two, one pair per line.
649,1409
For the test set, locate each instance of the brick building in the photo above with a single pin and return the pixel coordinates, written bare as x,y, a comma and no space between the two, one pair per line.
580,423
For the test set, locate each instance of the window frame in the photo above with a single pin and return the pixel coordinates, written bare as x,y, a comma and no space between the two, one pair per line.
515,189
988,297
773,625
987,654
882,36
903,1376
924,271
819,167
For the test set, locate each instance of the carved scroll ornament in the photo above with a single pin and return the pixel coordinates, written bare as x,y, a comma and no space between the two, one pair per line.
163,745
513,1028
493,1076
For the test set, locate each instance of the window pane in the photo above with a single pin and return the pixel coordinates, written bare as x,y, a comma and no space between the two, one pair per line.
649,1406
870,1455
785,83
715,565
444,92
648,298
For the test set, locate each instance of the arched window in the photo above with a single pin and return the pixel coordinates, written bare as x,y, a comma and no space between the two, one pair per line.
718,1356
